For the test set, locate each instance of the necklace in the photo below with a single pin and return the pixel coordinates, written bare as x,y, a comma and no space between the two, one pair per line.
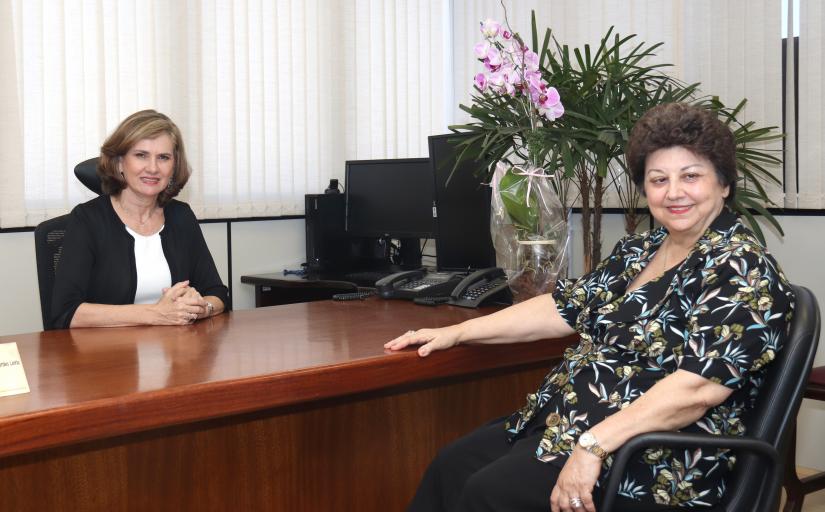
141,222
664,254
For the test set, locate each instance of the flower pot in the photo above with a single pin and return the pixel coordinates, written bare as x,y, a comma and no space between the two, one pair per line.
538,269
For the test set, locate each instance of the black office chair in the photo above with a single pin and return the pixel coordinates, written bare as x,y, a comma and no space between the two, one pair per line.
48,246
86,172
48,240
754,484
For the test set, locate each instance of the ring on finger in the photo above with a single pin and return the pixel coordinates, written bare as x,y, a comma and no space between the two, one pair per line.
576,502
409,333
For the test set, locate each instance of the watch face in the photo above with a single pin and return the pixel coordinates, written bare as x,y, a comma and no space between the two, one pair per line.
587,440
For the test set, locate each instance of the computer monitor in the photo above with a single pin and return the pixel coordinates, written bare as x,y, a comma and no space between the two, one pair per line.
390,198
463,238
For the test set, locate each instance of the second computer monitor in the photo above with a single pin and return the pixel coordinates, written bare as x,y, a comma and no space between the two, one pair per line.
463,206
390,198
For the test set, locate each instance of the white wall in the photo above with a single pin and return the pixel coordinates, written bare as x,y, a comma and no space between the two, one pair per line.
271,246
800,254
264,247
20,297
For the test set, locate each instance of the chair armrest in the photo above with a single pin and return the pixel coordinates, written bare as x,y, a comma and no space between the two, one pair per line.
682,439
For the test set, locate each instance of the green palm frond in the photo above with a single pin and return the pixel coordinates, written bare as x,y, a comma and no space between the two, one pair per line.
605,90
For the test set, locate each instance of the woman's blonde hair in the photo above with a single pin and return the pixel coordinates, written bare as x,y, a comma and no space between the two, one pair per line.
146,124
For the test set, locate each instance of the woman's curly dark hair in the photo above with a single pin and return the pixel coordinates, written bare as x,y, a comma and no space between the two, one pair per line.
678,124
146,124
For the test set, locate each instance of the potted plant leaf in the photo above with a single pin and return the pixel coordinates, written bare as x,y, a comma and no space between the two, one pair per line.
606,89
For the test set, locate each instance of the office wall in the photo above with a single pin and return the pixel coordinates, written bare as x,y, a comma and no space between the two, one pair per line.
263,247
271,246
20,299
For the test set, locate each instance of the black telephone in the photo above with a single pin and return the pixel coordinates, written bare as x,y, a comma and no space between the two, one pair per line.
488,284
417,283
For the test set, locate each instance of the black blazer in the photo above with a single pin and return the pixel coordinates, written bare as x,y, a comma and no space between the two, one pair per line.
98,260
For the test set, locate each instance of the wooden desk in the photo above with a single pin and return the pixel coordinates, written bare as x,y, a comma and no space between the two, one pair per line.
293,407
277,289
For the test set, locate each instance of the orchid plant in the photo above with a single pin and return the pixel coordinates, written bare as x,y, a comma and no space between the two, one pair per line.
528,223
513,79
513,70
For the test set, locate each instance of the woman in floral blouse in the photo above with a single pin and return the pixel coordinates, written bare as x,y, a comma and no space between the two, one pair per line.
676,328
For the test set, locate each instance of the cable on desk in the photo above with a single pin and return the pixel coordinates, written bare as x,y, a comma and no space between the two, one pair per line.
354,295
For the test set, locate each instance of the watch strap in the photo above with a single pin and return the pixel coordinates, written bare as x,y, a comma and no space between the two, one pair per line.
594,447
598,451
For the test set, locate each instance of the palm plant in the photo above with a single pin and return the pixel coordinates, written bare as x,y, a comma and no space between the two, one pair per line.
605,91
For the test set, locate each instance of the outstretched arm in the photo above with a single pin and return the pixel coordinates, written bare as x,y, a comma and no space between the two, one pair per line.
531,320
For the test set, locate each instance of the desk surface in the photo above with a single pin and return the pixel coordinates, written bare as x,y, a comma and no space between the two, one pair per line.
96,383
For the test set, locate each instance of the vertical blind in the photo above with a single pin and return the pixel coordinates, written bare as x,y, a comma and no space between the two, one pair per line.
811,115
273,96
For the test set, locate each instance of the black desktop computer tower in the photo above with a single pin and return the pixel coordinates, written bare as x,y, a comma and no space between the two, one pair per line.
330,250
328,247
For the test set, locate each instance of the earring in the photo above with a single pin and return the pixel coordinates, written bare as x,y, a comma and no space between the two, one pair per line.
171,184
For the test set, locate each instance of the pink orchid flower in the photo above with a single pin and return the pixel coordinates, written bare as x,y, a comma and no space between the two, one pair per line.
481,81
481,49
490,28
531,60
554,112
494,57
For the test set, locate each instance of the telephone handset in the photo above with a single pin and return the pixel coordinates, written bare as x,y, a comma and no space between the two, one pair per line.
489,284
417,283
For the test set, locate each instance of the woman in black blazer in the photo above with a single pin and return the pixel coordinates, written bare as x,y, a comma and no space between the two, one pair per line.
135,255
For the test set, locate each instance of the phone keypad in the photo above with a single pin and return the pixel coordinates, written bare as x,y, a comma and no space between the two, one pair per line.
419,284
479,291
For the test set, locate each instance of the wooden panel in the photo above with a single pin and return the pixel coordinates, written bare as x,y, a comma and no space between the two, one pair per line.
364,453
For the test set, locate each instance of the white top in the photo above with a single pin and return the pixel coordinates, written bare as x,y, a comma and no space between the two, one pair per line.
152,268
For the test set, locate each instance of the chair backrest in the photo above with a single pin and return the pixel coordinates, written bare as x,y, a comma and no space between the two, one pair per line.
48,246
776,408
86,172
48,240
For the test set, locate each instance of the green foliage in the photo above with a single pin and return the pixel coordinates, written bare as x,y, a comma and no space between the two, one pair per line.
605,90
514,189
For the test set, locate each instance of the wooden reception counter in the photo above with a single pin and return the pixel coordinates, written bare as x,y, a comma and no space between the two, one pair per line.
294,407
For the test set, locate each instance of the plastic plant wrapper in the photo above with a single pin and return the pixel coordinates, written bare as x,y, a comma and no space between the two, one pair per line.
528,228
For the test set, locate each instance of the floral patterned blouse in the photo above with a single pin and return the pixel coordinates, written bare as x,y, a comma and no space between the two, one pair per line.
723,313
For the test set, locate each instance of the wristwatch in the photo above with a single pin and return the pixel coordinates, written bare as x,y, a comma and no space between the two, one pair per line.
588,442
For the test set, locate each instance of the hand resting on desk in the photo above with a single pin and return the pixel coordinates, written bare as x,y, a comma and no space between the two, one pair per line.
530,320
431,339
